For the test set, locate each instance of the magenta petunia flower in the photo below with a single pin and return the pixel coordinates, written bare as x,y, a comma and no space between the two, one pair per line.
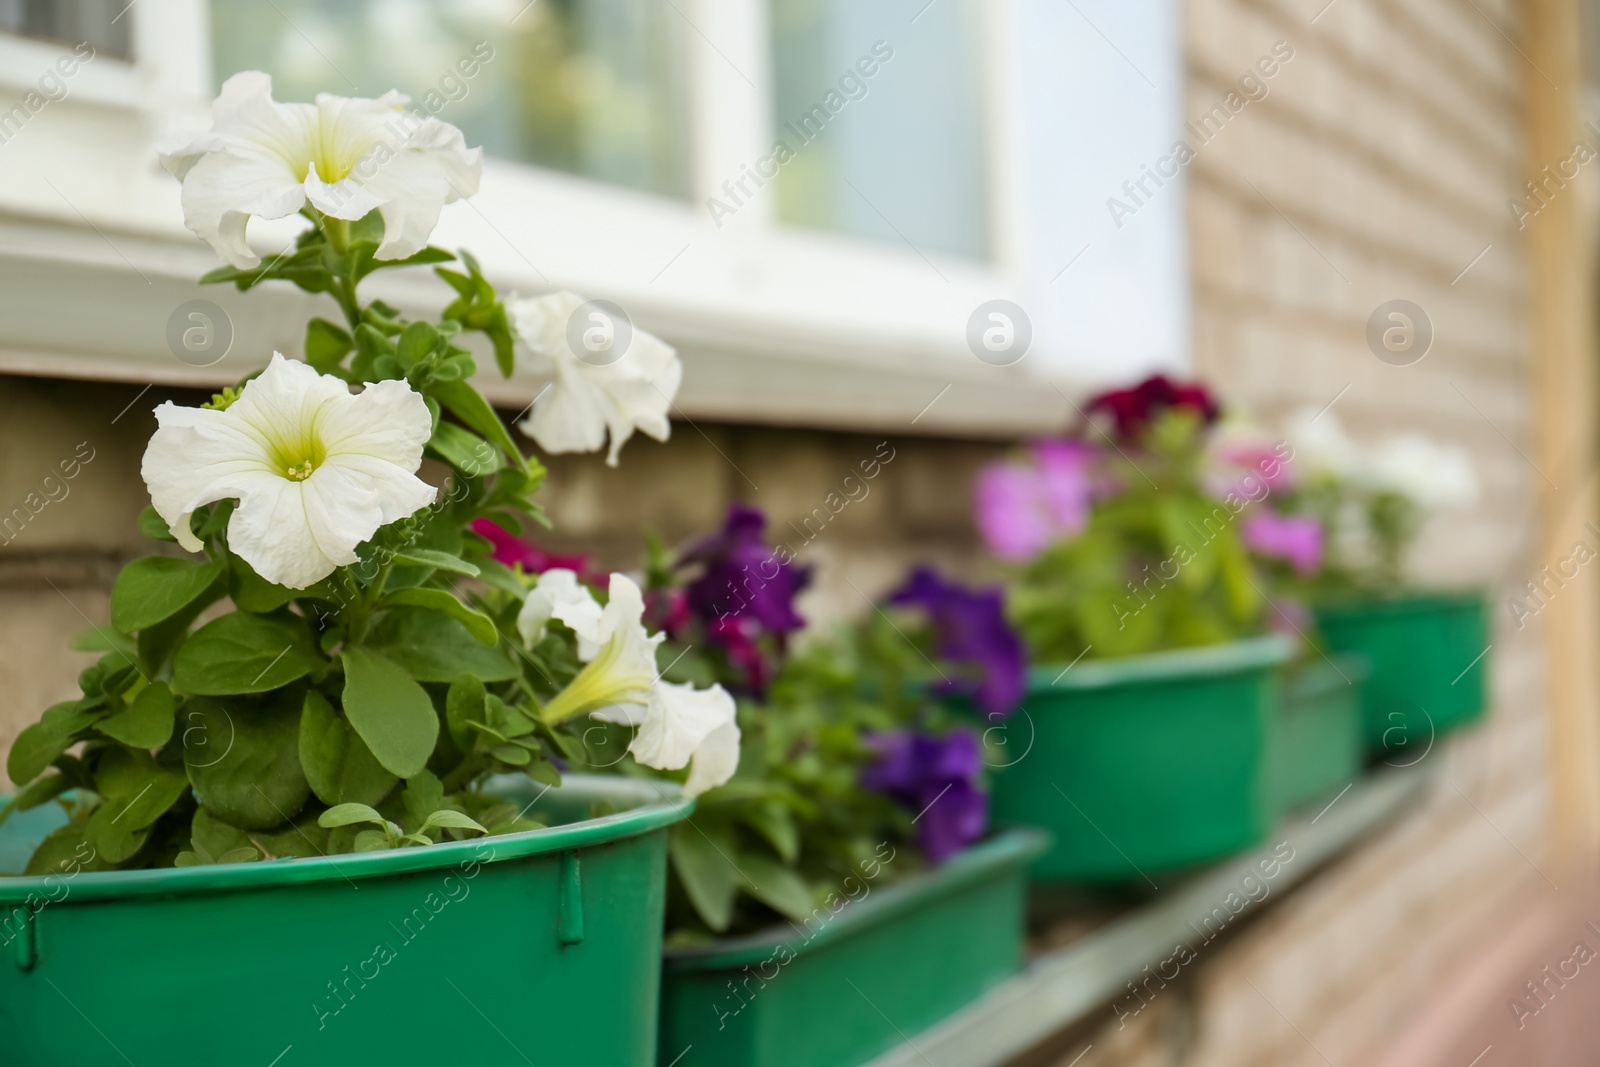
512,550
1023,508
1295,538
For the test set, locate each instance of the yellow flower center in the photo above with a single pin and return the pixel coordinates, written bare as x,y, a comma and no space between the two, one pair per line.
297,455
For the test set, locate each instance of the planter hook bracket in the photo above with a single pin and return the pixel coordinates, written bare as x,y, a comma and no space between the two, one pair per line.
570,913
23,938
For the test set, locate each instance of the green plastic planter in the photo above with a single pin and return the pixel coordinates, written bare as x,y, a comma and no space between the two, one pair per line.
539,947
846,986
1427,654
1317,745
1144,763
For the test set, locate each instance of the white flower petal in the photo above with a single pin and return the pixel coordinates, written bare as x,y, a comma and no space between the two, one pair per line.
298,533
715,761
559,595
588,401
349,156
678,722
190,461
315,470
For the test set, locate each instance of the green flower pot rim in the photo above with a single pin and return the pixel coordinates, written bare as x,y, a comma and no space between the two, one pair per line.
1008,848
1315,675
1407,602
1232,657
660,804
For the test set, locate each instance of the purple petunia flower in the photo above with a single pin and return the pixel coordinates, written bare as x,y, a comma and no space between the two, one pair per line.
971,628
1296,538
743,577
936,778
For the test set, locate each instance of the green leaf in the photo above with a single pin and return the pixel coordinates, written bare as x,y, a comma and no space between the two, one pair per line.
157,587
253,593
424,794
146,723
708,877
444,561
337,763
497,575
40,743
416,343
515,755
391,712
213,837
468,405
437,649
478,624
327,345
775,823
775,885
371,841
113,841
451,820
463,704
245,653
464,450
103,639
243,759
244,854
139,788
152,525
40,792
156,644
64,850
346,814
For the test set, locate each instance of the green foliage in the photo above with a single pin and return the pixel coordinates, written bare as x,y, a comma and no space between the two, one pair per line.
229,719
1160,563
794,823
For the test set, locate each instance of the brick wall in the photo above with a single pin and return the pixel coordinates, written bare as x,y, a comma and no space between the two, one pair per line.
1377,167
56,567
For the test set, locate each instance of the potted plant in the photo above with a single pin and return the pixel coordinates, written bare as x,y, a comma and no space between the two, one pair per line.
1317,746
309,805
1150,706
1426,649
853,840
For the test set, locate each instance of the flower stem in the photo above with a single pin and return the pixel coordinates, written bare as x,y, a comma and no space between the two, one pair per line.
337,232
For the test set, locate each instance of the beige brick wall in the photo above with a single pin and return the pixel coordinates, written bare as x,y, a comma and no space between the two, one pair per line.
56,571
1377,168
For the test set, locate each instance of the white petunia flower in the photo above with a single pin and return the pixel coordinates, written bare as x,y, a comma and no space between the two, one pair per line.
1432,476
344,156
1322,447
684,726
589,397
315,469
559,595
678,724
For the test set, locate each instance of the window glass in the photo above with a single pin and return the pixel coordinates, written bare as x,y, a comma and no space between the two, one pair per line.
100,22
590,87
881,108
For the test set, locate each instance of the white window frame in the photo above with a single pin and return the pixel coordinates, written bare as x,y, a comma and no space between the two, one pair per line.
776,323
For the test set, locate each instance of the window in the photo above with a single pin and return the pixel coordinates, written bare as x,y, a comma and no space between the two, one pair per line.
885,119
100,22
591,87
941,155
